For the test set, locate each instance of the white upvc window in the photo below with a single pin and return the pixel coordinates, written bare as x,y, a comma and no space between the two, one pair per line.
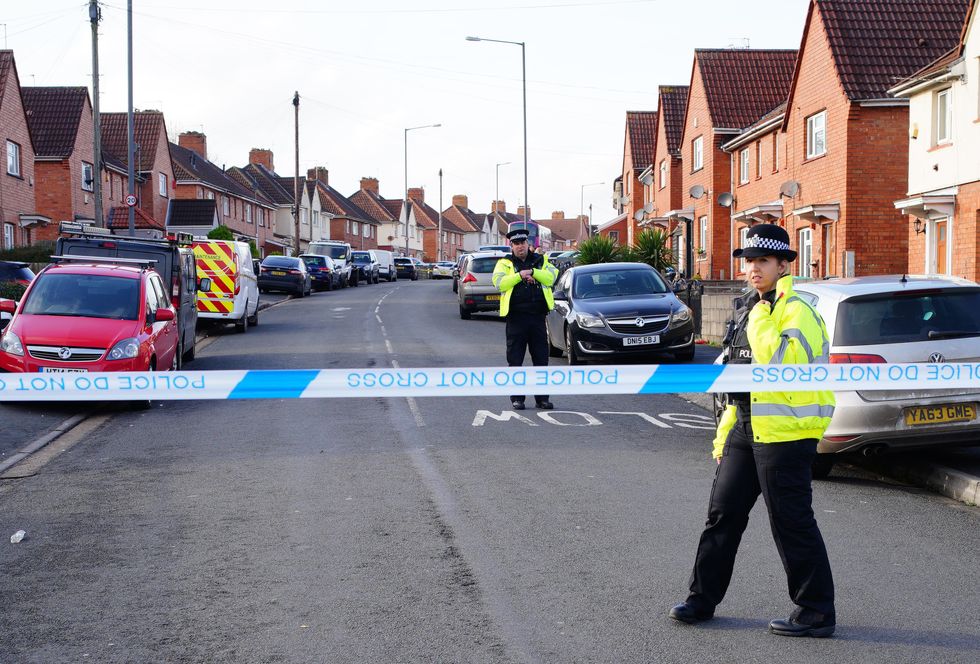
355,228
743,237
8,236
758,159
13,158
225,206
944,116
88,177
261,217
703,232
365,230
697,154
209,195
663,173
806,252
248,213
743,166
816,135
614,236
162,184
302,216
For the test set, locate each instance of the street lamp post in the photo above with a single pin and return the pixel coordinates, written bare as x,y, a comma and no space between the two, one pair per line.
497,190
581,208
405,206
527,205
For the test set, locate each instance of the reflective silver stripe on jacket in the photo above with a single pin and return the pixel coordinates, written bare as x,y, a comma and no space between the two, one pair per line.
796,333
781,410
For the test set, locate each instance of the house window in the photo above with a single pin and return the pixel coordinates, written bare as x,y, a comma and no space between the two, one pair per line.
806,253
355,228
775,152
248,214
302,216
663,173
88,177
162,184
703,240
209,195
13,159
225,206
816,135
365,230
697,154
743,166
8,236
261,217
200,192
758,159
944,116
614,236
743,237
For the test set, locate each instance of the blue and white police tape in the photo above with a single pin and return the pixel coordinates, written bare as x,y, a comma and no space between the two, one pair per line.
484,381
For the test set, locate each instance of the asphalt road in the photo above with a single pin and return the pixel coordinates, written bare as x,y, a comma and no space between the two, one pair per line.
374,530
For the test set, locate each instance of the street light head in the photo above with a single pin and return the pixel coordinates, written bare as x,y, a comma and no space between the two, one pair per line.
473,39
437,125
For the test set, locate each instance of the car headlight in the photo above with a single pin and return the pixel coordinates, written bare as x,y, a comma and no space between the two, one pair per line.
680,317
588,320
10,343
126,349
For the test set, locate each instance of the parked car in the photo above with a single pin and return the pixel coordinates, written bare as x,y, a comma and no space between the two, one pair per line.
611,310
109,315
368,267
899,319
405,268
6,312
16,272
172,259
456,268
232,295
287,274
443,270
323,276
386,260
340,252
564,260
476,291
505,248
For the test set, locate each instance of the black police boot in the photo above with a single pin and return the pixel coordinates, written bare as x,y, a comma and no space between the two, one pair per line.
517,405
688,613
794,626
544,405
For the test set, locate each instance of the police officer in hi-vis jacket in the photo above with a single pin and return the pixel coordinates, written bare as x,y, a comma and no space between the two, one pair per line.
524,279
765,444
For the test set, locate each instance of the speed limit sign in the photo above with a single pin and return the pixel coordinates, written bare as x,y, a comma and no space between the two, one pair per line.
131,200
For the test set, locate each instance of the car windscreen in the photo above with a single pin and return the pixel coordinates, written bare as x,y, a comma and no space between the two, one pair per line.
89,295
618,283
893,318
315,261
482,265
362,258
280,261
403,261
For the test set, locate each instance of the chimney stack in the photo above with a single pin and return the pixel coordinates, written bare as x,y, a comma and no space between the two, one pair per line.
262,157
370,184
461,200
498,206
194,141
318,173
520,212
417,194
558,214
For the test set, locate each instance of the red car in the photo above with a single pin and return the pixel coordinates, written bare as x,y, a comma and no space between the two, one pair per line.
75,316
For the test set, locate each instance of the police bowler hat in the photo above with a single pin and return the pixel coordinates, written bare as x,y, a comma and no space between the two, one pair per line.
766,240
517,235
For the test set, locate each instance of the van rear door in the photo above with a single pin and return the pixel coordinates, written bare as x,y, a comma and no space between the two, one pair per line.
218,262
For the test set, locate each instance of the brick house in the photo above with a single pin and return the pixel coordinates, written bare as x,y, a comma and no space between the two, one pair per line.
718,108
639,146
462,233
570,231
616,229
154,169
60,121
348,222
846,138
244,210
665,173
943,198
427,224
260,175
20,221
369,200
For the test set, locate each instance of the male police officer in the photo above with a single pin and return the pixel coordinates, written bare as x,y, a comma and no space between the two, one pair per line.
524,279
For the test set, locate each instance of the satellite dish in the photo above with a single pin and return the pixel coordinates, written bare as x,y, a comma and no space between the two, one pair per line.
647,180
648,207
638,215
623,200
790,189
725,199
697,191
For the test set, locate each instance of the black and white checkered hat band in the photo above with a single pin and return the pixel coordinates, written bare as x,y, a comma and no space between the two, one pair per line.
759,242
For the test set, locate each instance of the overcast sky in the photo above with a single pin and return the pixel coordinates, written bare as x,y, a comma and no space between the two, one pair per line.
366,71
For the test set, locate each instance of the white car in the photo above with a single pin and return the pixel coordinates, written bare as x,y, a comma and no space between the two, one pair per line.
898,318
443,270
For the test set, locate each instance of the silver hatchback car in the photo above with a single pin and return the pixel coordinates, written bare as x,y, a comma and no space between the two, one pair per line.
475,290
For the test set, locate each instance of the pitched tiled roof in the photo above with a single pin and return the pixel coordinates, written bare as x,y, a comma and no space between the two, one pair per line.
6,67
878,43
641,127
673,106
463,218
425,216
393,206
190,166
192,212
147,126
267,182
53,115
373,205
742,85
337,204
250,183
567,229
118,218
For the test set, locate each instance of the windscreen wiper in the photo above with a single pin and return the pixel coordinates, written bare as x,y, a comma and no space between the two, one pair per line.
952,334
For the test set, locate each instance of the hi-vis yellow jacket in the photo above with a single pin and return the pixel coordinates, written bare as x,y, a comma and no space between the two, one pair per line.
791,333
505,277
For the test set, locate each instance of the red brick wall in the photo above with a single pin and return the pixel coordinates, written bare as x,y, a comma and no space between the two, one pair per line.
964,237
54,186
16,193
338,231
150,199
619,227
668,198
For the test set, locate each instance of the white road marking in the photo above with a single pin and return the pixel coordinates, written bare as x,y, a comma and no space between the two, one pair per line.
414,407
388,346
340,309
549,417
648,418
378,319
482,415
685,420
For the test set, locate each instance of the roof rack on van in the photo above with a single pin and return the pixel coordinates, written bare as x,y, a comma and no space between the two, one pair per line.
142,262
79,228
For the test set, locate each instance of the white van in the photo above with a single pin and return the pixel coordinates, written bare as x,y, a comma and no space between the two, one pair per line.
234,293
387,261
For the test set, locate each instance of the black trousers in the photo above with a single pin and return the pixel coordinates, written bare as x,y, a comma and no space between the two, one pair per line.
527,332
781,472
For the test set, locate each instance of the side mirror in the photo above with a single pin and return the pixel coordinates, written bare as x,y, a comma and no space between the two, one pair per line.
8,306
204,284
163,315
560,295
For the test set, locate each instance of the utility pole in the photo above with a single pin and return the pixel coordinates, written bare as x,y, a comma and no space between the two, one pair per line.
440,216
296,179
131,147
95,15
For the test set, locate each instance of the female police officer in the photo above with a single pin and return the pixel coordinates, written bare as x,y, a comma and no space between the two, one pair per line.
766,442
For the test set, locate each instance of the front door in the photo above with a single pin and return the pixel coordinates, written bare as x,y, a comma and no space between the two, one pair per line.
940,228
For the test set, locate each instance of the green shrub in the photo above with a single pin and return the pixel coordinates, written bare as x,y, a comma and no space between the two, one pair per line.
652,247
11,290
599,249
36,253
221,233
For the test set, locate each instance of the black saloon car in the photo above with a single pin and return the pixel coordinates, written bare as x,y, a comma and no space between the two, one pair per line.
611,310
405,268
285,273
16,271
